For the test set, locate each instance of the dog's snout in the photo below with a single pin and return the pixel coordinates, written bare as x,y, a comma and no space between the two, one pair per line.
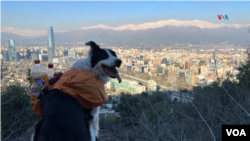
118,62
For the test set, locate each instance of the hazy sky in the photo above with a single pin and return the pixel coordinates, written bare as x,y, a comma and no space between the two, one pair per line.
63,15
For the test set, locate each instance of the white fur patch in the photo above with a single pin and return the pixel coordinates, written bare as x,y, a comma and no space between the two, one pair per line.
94,124
92,132
86,64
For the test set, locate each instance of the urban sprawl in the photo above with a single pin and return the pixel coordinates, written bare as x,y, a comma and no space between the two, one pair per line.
167,69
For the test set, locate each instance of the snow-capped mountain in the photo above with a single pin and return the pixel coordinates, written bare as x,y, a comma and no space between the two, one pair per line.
197,23
132,27
162,32
26,32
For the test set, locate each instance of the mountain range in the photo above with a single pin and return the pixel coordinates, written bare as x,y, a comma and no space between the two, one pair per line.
162,32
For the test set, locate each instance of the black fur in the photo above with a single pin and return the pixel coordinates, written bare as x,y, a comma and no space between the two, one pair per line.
72,127
112,52
96,53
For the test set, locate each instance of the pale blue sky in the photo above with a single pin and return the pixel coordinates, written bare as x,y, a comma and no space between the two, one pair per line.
65,15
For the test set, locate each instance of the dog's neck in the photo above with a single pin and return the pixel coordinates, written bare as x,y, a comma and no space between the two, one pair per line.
86,65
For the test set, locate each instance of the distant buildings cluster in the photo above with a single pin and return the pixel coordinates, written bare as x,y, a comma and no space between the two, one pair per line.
50,53
11,54
195,66
127,85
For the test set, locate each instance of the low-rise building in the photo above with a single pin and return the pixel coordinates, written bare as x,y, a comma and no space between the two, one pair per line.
152,85
179,96
107,114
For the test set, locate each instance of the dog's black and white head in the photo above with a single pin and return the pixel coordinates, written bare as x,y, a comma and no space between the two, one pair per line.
100,61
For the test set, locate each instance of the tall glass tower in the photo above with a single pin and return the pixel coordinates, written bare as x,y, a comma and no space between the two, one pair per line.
17,57
28,54
11,49
51,44
6,56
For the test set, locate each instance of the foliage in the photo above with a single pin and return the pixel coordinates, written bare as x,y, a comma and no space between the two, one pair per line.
154,117
130,106
126,102
109,99
168,85
178,88
244,75
17,114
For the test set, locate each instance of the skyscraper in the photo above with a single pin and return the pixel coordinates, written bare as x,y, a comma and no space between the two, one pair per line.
17,57
51,44
11,49
6,56
43,57
187,65
28,53
65,53
35,56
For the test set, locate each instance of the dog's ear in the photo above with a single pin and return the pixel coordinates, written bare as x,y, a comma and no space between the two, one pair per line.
92,45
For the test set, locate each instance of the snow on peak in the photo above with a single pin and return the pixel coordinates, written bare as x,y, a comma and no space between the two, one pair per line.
172,22
27,32
144,26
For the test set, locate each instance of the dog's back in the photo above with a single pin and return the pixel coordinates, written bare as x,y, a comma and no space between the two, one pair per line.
63,119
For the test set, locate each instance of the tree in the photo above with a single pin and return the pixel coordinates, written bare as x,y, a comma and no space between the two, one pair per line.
126,102
109,99
145,94
178,88
244,74
168,85
156,118
121,91
114,107
17,114
111,89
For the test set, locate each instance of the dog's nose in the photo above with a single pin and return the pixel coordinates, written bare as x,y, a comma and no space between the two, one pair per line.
118,62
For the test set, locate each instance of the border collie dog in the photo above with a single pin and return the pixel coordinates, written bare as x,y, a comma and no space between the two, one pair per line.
63,119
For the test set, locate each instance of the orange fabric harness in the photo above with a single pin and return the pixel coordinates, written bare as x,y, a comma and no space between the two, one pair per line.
86,86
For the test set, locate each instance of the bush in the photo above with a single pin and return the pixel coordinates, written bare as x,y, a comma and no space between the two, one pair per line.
17,114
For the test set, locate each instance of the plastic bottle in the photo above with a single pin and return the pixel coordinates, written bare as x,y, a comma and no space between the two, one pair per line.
36,86
39,71
50,71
